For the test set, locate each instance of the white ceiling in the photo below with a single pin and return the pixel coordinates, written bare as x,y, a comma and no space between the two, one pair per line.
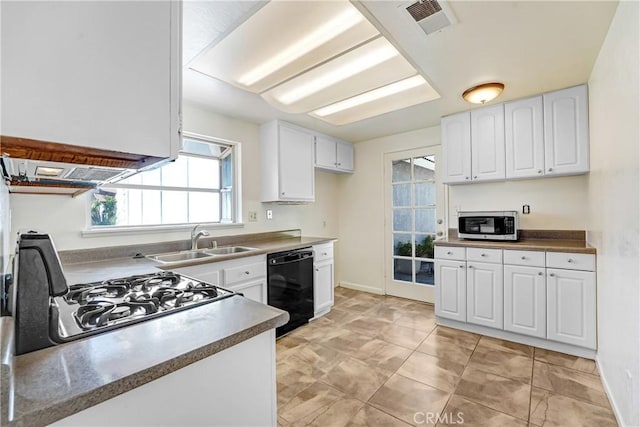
530,46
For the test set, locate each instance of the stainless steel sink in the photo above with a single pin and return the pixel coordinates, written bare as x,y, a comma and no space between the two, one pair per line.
197,254
179,256
228,250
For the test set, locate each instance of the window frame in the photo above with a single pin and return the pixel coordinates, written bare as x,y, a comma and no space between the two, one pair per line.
236,206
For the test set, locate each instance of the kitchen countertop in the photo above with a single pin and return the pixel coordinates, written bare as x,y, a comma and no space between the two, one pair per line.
553,241
41,387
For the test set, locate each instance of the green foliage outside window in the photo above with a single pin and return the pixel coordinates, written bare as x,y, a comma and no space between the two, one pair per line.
104,210
423,250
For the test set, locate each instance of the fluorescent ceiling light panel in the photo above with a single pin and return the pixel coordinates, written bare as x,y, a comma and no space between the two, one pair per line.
357,65
282,40
346,20
396,96
372,95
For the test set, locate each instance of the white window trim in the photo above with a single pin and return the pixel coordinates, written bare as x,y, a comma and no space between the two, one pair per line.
96,231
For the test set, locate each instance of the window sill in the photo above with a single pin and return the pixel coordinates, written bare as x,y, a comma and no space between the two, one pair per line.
148,229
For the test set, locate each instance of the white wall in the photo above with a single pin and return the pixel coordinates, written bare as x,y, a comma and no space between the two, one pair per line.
614,210
65,217
556,203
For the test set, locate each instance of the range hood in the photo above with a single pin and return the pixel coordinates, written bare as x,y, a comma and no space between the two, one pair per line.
42,167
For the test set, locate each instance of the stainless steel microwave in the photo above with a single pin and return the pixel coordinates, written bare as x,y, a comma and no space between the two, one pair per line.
488,225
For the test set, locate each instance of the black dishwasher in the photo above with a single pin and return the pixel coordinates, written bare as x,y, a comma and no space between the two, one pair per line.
290,286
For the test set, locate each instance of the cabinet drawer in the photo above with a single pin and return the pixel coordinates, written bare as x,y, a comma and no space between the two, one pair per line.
243,273
450,252
322,252
527,258
569,261
484,255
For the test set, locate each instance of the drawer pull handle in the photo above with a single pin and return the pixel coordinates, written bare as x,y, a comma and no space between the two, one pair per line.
324,254
462,266
247,272
471,266
552,275
570,260
523,257
540,273
483,254
449,253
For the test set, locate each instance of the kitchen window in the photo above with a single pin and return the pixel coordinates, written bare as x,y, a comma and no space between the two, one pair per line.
200,186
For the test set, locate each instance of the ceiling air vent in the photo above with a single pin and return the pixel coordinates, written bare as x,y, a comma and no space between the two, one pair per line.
431,15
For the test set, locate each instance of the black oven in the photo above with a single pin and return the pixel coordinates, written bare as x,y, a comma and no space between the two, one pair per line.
488,225
290,286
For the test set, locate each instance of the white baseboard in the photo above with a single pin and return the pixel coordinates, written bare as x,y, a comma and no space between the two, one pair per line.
363,288
522,339
607,390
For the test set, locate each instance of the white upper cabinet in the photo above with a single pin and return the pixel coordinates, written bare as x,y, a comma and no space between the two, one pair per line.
333,155
94,74
546,135
456,148
487,143
286,155
524,138
566,131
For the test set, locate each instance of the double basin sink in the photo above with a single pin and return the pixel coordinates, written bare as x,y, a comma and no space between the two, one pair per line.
198,254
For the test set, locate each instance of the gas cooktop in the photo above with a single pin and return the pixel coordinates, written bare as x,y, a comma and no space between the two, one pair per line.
92,308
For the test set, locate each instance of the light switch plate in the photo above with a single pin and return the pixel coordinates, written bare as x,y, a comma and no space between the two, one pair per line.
253,216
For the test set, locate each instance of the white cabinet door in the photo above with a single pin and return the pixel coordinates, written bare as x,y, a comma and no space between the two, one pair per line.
100,74
524,138
485,294
451,290
456,148
322,287
566,131
571,307
525,300
344,156
325,153
255,290
296,165
487,143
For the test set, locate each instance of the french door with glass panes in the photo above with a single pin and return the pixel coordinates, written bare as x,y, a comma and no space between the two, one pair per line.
414,205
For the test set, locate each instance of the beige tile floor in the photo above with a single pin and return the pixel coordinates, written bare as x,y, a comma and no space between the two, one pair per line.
382,361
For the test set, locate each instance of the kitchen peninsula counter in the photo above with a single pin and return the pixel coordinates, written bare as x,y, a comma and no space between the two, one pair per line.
48,385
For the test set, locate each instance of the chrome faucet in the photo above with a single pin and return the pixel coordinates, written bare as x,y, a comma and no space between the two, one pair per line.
196,236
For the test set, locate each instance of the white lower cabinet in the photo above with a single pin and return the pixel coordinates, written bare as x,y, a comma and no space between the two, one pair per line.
549,296
247,276
451,289
525,300
322,278
571,307
484,294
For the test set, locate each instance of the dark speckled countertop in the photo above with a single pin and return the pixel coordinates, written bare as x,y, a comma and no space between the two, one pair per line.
572,241
41,387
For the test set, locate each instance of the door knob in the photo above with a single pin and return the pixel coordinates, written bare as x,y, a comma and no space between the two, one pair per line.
440,221
550,169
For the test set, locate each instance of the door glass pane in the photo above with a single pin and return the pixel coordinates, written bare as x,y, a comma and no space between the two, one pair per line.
401,195
425,193
424,246
424,168
424,272
402,245
402,220
401,170
402,270
426,220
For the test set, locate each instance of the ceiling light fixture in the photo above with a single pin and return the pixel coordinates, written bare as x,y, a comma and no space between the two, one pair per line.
483,93
355,66
48,171
321,35
372,95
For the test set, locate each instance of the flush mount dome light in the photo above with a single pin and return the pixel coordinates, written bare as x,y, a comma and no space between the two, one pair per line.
483,93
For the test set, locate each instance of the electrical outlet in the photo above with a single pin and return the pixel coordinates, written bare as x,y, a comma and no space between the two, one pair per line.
526,209
269,214
253,216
